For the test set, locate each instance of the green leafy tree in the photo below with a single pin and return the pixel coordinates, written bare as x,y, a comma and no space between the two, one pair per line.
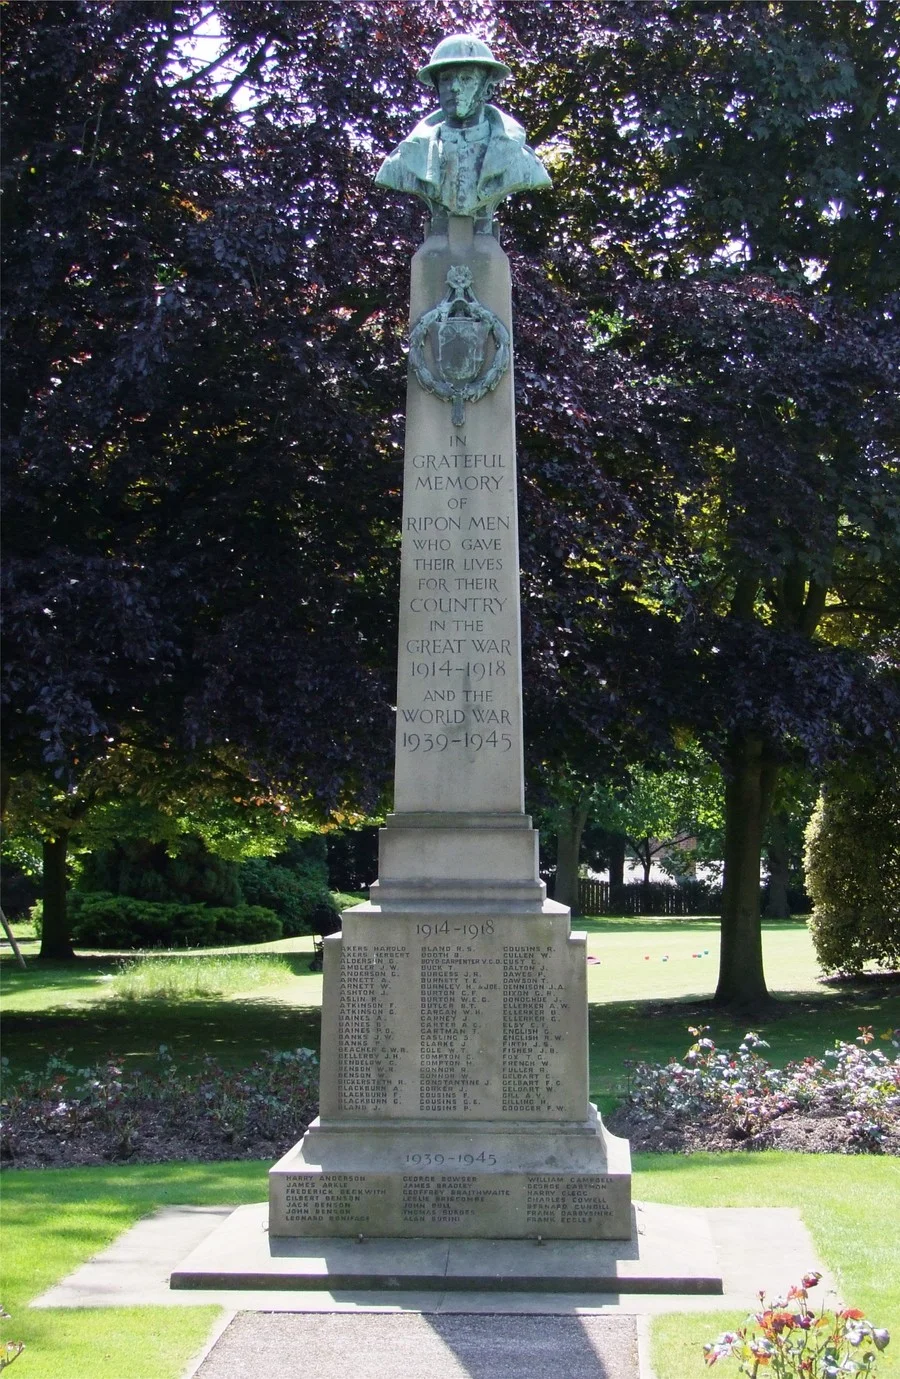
203,391
136,805
729,233
663,812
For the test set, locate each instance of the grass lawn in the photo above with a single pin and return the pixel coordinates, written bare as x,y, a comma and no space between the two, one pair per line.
50,1008
55,1219
850,1205
645,985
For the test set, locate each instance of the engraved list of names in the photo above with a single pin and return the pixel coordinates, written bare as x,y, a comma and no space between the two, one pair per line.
417,1022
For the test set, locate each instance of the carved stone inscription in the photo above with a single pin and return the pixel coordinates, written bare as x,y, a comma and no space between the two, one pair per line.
460,657
459,718
436,1203
372,991
458,1021
334,1197
534,1052
447,1199
566,1199
459,996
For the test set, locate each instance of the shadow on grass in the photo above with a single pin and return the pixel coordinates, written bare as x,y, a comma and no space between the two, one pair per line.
238,1031
234,1032
626,924
53,976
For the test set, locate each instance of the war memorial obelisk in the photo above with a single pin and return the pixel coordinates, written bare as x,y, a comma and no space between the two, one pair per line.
454,1074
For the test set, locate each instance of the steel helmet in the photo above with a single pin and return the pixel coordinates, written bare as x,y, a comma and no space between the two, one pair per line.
462,50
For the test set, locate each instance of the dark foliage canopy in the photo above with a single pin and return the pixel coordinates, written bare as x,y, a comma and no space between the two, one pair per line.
203,376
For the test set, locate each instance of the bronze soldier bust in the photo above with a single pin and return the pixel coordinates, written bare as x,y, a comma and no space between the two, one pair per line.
467,157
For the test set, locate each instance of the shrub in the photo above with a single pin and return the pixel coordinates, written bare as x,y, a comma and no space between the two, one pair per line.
325,918
353,858
247,924
146,871
120,921
293,884
36,915
747,1093
291,896
19,890
853,873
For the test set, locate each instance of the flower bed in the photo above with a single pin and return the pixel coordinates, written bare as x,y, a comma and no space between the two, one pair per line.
848,1101
65,1116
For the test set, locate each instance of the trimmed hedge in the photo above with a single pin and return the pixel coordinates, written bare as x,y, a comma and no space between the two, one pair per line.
853,872
120,921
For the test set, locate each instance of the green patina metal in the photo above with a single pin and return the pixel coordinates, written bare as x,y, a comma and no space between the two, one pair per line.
467,157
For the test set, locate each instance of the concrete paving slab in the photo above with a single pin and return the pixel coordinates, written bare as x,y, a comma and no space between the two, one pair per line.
755,1248
671,1251
258,1346
134,1270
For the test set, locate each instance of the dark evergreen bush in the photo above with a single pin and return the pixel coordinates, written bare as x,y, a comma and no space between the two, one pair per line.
352,858
121,921
145,870
194,883
293,884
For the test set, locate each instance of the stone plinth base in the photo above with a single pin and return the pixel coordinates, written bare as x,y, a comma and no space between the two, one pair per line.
454,1082
461,859
671,1250
556,1182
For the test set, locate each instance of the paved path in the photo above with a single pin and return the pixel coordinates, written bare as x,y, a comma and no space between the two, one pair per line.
409,1346
435,1335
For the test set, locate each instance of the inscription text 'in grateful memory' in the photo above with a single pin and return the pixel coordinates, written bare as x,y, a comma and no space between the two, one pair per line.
459,657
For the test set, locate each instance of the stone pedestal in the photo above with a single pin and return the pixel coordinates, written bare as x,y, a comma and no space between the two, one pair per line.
454,1074
454,1086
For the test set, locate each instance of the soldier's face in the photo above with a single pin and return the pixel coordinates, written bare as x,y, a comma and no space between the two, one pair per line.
462,91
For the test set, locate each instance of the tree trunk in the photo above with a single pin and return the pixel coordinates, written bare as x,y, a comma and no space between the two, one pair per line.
779,864
645,857
55,941
568,850
617,860
750,780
